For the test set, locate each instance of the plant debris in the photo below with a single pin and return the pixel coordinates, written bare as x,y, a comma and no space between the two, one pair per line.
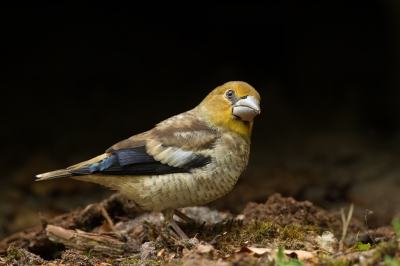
280,232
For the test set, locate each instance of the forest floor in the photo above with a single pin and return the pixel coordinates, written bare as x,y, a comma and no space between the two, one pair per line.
281,231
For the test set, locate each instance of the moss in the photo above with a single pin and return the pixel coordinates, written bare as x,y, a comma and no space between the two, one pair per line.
14,253
235,234
339,262
385,248
137,261
385,251
130,261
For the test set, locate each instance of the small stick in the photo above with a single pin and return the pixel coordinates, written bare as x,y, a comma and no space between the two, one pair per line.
345,223
108,219
152,227
184,217
368,212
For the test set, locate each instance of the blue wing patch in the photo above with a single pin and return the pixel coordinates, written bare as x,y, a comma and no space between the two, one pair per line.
136,161
104,164
132,156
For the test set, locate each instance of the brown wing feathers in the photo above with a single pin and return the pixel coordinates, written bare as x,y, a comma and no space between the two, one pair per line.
175,151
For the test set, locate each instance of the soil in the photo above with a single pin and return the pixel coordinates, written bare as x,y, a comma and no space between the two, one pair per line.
112,232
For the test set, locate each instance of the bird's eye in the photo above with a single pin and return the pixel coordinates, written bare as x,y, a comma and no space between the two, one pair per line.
229,93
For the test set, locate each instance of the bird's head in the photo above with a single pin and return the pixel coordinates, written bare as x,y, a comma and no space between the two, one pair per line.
231,106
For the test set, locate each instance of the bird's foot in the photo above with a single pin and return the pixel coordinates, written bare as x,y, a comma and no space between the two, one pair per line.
184,217
189,220
168,215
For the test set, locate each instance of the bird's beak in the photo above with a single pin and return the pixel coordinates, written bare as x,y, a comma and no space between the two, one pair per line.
246,108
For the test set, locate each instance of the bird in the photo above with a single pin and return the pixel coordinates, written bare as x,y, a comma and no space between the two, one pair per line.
189,159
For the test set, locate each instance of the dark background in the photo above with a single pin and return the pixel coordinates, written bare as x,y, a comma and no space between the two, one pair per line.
78,78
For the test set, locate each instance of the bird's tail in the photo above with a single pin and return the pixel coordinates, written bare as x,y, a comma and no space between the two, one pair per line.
54,174
73,170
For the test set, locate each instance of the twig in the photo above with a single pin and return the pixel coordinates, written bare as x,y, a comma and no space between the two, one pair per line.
368,212
152,227
345,223
277,218
84,241
108,219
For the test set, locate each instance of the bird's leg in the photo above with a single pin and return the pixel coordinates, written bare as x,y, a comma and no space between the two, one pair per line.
184,217
168,215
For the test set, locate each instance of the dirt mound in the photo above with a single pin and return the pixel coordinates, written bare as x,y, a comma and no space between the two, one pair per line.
287,211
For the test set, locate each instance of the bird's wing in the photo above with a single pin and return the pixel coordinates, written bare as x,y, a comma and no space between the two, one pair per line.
175,150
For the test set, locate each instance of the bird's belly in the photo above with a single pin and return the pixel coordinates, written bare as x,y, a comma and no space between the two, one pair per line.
177,190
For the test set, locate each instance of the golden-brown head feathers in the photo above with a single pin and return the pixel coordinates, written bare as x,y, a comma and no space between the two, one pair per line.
231,106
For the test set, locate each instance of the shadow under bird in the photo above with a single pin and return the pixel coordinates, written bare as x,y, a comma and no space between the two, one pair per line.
187,160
